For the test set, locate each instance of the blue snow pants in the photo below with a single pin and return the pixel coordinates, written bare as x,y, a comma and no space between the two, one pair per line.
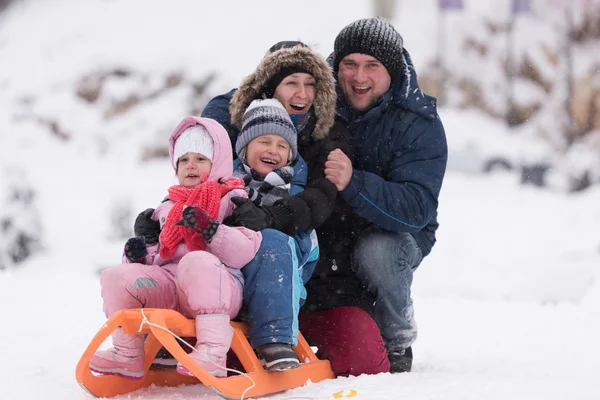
274,287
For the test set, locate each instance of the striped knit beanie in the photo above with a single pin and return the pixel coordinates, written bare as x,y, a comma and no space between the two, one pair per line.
372,36
266,117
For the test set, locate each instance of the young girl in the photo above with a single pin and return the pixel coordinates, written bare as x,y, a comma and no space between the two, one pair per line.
195,266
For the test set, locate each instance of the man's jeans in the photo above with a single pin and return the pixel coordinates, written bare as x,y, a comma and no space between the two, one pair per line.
385,262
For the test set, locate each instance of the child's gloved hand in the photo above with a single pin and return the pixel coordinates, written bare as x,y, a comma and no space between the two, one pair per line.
135,249
198,219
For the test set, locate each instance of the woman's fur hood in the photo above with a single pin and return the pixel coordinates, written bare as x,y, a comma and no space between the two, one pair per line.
305,58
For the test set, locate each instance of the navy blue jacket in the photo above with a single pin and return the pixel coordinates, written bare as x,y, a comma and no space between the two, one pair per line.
400,155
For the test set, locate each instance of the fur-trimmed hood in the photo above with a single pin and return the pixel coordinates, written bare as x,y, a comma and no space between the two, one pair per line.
305,58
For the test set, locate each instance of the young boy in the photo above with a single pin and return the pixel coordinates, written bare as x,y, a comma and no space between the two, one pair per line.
269,163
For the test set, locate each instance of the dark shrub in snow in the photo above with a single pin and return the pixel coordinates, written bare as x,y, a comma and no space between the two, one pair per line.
20,231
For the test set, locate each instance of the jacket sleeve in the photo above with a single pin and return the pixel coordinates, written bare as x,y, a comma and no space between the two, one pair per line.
145,227
339,138
408,199
306,210
234,246
311,207
321,195
218,109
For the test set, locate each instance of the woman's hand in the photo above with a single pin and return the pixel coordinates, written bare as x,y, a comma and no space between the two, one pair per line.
146,227
249,215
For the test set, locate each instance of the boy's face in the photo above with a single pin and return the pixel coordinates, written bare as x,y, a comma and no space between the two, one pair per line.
191,167
267,153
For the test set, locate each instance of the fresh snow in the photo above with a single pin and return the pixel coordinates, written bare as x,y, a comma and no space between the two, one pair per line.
508,303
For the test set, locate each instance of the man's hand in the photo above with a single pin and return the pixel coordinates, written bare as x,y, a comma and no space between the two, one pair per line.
338,169
249,215
145,226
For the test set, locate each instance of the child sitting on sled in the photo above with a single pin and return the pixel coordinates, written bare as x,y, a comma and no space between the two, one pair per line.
271,168
269,163
195,266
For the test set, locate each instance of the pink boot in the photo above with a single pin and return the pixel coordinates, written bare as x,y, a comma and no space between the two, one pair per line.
125,359
214,334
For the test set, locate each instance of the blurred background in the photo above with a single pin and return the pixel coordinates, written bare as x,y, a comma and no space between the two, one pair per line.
90,91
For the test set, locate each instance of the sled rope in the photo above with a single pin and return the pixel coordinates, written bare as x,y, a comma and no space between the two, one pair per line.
147,322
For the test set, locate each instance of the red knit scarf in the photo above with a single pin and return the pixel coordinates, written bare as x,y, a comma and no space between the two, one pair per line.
207,196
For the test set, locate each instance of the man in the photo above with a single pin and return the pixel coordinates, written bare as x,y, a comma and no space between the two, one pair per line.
386,219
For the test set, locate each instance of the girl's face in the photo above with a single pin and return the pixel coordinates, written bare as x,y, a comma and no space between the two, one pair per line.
296,92
267,153
191,167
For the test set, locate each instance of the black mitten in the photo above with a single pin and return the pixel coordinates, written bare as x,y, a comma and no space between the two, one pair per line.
135,249
146,227
291,215
249,215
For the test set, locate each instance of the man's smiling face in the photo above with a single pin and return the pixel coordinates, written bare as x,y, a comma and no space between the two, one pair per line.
363,80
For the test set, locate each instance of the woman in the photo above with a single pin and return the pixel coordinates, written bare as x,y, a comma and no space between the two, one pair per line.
302,81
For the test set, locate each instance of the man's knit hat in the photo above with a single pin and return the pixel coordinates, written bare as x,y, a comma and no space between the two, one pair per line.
194,139
266,117
372,36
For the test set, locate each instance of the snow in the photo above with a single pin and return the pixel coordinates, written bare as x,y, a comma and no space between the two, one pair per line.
473,144
507,303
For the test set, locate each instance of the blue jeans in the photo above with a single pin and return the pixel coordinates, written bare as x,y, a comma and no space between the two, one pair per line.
274,287
385,262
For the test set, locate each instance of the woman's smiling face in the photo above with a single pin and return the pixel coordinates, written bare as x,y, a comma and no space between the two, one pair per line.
296,92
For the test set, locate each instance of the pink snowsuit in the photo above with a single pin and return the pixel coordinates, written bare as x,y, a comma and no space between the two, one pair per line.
192,282
197,282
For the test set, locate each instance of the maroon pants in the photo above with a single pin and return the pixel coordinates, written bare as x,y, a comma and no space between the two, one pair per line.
349,338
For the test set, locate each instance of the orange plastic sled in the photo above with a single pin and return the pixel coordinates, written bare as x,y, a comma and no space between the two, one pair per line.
311,368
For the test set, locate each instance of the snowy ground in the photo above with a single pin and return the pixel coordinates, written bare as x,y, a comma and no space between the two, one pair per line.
508,303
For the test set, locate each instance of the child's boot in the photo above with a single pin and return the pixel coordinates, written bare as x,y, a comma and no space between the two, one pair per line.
125,359
278,357
214,334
